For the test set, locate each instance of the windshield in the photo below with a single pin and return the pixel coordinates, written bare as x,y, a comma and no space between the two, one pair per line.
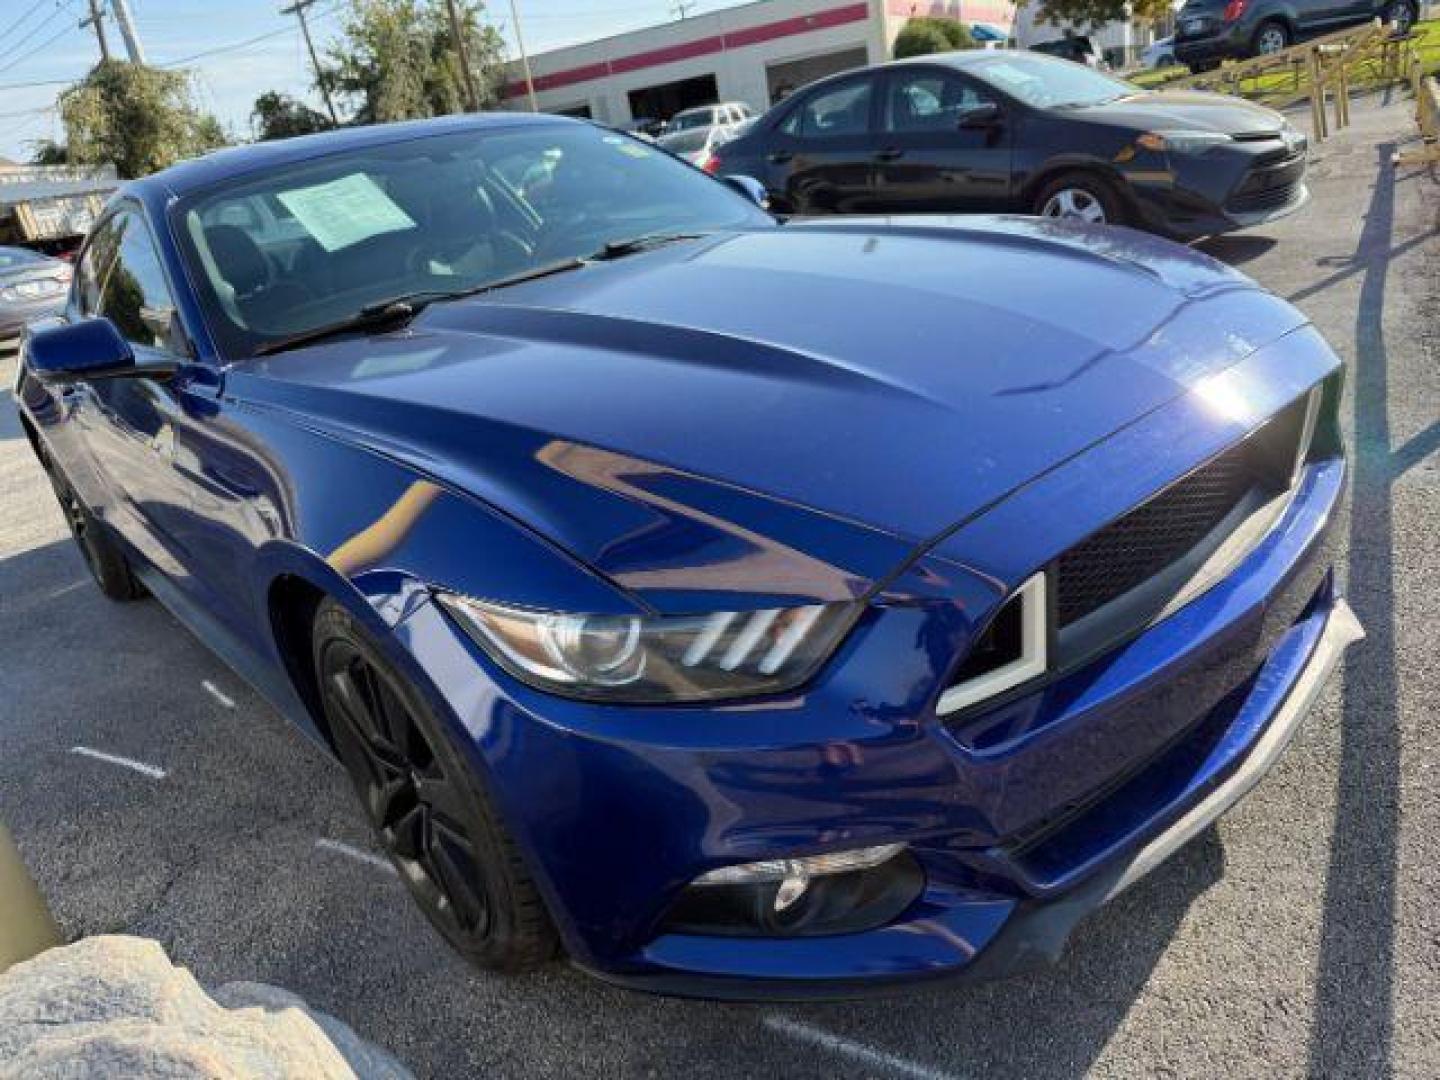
695,118
1048,83
309,244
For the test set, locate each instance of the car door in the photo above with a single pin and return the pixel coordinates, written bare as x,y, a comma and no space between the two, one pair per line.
134,426
818,159
944,145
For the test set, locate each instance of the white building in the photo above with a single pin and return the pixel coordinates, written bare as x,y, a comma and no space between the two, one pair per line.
755,53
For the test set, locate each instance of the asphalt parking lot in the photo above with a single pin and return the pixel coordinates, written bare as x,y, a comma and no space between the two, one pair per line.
153,793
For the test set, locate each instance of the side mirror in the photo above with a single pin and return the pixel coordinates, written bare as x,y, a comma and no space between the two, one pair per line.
751,188
89,349
981,116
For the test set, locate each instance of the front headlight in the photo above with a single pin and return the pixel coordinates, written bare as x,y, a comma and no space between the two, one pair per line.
642,659
1182,142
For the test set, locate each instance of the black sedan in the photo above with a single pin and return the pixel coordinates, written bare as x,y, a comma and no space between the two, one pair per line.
31,287
1022,132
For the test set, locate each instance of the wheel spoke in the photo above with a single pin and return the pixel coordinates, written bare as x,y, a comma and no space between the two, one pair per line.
410,831
453,861
443,797
422,816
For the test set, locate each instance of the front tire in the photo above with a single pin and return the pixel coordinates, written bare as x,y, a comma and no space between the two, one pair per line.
1402,15
1272,37
428,809
1081,196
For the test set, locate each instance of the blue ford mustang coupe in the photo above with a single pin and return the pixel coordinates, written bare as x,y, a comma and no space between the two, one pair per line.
742,608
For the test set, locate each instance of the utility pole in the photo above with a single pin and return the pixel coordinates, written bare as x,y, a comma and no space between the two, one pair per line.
121,9
298,10
95,20
524,57
466,75
682,8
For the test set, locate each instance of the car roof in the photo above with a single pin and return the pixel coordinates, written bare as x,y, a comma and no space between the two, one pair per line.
959,60
213,168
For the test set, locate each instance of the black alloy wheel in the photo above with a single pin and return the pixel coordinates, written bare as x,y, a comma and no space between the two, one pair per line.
427,809
103,558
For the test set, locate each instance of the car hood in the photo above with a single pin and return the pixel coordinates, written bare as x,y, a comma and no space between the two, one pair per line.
791,411
1181,111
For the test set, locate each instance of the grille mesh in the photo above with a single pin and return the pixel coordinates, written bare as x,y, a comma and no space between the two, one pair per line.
1149,538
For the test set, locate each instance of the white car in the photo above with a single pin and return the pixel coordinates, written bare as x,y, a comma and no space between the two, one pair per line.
1159,54
705,116
696,144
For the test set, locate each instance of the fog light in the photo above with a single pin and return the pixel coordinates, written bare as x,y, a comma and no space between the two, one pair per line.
794,874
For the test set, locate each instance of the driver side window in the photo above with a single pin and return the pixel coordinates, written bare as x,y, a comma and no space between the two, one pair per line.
135,296
929,101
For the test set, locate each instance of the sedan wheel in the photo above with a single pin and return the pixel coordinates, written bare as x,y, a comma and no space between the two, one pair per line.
1401,15
427,809
1075,203
1271,39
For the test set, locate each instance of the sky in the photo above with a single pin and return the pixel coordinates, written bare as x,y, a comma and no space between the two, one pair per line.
42,49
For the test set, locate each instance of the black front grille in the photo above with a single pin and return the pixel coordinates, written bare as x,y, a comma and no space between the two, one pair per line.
1269,186
1264,200
1132,549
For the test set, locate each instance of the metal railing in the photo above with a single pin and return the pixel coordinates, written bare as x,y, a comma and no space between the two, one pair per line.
1427,116
1321,70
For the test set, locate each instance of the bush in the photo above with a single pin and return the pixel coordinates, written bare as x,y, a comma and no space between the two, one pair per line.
923,36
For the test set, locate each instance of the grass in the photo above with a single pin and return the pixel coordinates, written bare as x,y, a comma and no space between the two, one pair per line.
1276,86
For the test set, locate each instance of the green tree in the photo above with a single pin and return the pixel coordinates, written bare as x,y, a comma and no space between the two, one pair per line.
922,36
48,152
1093,13
279,116
397,59
140,118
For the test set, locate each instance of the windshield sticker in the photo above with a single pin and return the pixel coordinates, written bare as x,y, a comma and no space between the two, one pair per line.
345,211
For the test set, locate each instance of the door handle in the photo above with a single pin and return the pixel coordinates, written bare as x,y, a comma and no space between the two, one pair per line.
780,157
890,153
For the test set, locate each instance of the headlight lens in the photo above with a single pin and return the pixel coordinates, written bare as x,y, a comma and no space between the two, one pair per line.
1182,142
649,659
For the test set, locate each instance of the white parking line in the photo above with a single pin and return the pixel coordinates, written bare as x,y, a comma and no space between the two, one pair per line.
853,1050
215,692
68,588
327,844
152,771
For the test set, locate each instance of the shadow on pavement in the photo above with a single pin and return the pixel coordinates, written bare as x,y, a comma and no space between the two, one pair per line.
1235,249
1354,1014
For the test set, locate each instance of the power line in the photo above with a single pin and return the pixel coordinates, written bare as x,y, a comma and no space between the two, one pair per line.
16,24
232,46
38,49
59,10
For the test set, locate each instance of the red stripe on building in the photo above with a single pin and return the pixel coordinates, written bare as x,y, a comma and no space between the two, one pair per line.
803,24
686,50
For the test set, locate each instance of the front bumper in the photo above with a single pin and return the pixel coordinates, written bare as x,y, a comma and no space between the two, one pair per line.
972,943
1207,195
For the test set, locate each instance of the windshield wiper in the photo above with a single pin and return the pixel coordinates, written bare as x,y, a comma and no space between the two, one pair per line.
399,310
618,249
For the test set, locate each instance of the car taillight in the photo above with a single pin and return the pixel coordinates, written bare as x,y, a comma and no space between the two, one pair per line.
711,164
1233,10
